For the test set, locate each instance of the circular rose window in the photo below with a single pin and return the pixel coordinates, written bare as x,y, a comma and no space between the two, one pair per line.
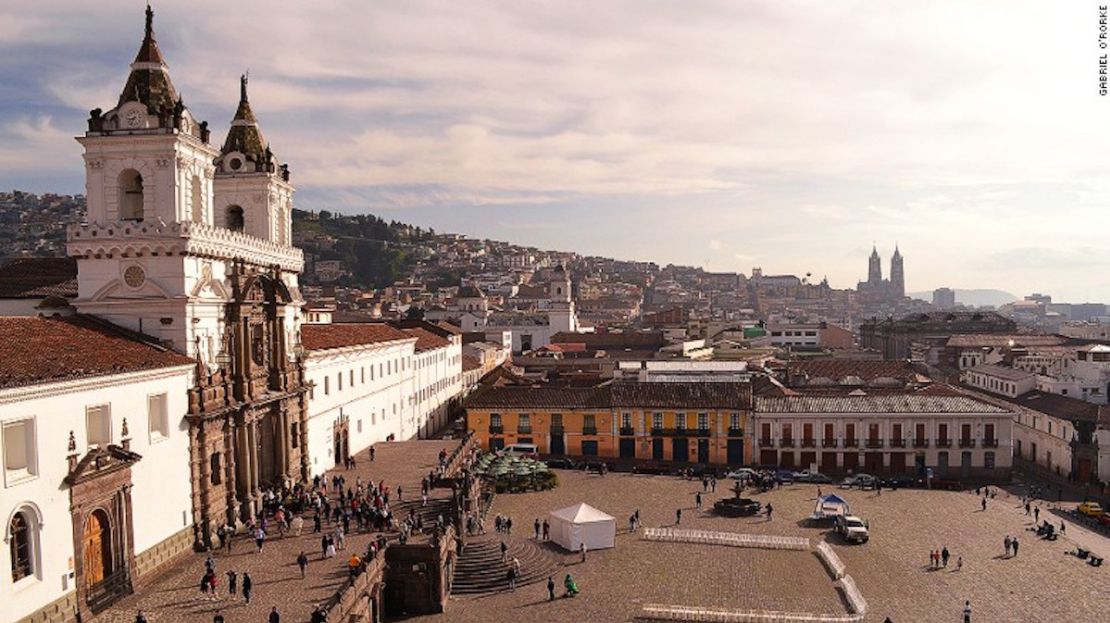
134,276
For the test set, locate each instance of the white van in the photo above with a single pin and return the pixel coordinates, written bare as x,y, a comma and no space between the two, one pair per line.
521,449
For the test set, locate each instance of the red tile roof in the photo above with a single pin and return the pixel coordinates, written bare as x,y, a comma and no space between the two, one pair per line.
470,363
38,277
865,370
886,403
344,334
37,350
426,340
677,395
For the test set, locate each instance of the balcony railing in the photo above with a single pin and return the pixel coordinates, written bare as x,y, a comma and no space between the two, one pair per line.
944,443
990,443
786,443
809,443
874,443
829,443
897,443
735,432
767,442
851,443
627,431
496,429
524,430
921,443
557,429
967,443
680,432
589,430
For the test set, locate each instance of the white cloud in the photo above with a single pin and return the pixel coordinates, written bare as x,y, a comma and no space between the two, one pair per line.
797,131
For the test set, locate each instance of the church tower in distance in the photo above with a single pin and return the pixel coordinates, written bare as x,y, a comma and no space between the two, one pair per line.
897,276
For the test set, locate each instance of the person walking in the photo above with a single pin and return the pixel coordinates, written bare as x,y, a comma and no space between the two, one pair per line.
944,556
582,550
697,500
959,563
1027,506
1036,514
274,616
232,582
678,516
511,576
1015,545
1007,543
631,523
536,528
546,530
139,617
247,586
504,551
302,562
770,510
259,539
371,454
984,504
550,588
967,611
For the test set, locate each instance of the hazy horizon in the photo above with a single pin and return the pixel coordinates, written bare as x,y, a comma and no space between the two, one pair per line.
786,135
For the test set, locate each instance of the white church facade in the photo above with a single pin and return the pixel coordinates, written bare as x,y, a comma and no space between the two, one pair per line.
182,381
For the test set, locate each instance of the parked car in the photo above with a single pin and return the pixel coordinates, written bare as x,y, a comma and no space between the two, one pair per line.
813,477
744,473
852,529
784,475
737,507
562,463
862,481
899,482
1104,520
521,449
1090,509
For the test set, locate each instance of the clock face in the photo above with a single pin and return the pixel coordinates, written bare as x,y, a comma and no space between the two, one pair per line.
134,118
134,276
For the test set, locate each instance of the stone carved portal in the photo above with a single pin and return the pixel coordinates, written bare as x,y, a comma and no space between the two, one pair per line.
251,411
103,536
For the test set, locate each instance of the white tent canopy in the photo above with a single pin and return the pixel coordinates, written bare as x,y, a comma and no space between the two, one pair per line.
574,525
829,506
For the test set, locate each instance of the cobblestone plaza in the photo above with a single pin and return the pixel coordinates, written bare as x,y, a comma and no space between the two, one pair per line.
1042,583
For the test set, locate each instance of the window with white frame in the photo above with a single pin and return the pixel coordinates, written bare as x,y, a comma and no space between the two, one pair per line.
158,417
98,425
19,450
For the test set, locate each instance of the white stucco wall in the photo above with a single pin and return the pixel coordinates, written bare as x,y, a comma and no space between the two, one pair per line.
162,486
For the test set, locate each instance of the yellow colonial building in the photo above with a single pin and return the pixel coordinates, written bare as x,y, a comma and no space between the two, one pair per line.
683,422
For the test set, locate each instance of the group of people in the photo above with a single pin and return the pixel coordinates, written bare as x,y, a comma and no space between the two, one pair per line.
938,558
209,584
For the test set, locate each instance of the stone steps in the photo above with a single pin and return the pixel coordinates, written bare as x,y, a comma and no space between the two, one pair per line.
480,568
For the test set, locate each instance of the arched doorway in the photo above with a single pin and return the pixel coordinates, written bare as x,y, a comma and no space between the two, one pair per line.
97,548
342,438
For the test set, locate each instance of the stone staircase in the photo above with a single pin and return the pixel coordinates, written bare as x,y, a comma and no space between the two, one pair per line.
480,570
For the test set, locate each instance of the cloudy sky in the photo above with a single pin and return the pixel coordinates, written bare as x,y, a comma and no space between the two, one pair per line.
787,135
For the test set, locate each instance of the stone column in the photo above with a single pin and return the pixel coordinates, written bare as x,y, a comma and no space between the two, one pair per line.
231,483
256,473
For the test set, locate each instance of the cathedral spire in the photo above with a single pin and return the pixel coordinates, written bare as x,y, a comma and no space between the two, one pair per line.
249,151
148,51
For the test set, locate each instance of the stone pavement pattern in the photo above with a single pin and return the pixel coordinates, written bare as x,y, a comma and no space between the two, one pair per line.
174,596
1041,584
